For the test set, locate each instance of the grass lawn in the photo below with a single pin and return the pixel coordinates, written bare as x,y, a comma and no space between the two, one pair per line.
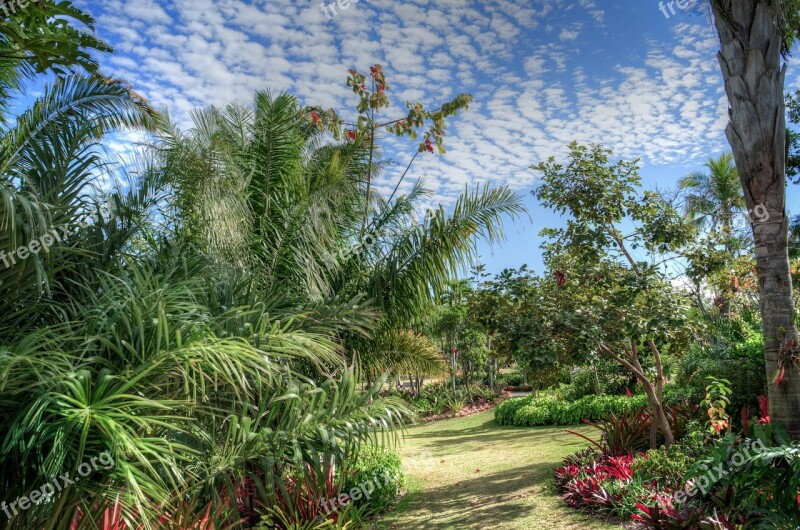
471,473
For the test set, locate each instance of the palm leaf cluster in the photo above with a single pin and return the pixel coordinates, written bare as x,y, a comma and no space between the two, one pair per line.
210,307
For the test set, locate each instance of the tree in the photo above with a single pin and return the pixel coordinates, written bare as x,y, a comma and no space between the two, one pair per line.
714,203
608,300
714,198
754,34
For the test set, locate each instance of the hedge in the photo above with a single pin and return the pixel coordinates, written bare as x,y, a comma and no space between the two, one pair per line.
550,410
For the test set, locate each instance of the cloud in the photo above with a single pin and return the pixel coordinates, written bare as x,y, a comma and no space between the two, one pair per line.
542,73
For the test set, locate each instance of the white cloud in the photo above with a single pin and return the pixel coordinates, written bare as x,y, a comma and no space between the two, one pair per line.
536,68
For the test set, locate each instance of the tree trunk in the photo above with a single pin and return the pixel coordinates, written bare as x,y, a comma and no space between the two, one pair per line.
453,367
750,59
597,389
659,420
491,362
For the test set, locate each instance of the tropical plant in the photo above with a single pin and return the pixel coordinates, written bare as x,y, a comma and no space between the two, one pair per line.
714,198
214,319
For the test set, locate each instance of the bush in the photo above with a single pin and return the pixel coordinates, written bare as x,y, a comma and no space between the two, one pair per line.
549,410
613,380
764,492
514,378
741,363
382,469
437,398
668,468
732,483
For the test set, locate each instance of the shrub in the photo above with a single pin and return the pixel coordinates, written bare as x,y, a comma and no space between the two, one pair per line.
384,470
765,490
531,415
549,410
741,363
513,378
626,433
667,468
613,380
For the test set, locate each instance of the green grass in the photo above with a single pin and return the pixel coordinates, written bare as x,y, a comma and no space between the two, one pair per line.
472,473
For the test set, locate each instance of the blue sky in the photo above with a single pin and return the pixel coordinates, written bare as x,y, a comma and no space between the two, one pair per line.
542,72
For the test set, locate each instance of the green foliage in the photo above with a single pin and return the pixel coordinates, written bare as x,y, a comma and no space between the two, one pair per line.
610,377
551,410
762,491
513,378
384,470
717,401
668,467
50,36
209,330
438,398
739,361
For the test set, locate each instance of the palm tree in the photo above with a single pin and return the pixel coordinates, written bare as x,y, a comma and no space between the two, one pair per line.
45,38
714,198
714,201
124,337
754,34
279,200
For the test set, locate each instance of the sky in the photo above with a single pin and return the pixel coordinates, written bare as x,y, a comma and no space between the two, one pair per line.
641,80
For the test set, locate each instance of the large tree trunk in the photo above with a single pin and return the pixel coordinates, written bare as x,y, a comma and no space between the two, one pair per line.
750,59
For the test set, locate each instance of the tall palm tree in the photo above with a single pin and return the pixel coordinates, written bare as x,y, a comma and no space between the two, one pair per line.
285,203
714,198
754,34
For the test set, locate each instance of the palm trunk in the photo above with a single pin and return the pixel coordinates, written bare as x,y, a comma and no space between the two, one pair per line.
491,362
750,60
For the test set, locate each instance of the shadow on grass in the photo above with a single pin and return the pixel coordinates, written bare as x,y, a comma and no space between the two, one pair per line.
491,432
489,500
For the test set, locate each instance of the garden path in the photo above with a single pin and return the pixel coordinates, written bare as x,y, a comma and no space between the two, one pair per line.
470,473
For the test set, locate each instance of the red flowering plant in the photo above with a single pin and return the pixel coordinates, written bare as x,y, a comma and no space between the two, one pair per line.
372,90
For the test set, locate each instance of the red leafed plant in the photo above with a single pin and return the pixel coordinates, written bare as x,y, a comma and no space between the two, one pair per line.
663,515
763,406
582,485
186,516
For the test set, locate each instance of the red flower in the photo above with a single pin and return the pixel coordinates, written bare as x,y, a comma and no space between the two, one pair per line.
351,135
429,145
763,405
781,376
628,392
314,118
